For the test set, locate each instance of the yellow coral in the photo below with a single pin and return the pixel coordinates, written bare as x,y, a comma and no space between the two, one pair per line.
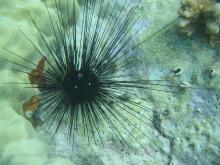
203,14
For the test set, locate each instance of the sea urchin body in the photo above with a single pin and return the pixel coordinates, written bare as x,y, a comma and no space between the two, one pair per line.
86,72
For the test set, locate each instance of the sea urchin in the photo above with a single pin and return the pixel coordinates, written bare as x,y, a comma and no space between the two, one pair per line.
85,71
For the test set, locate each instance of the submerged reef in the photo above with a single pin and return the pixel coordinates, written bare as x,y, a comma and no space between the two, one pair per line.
201,15
187,127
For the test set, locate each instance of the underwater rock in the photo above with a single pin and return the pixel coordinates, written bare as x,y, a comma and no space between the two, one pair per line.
13,126
35,160
182,118
58,161
17,135
22,147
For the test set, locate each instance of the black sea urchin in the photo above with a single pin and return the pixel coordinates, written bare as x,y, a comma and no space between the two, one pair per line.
87,72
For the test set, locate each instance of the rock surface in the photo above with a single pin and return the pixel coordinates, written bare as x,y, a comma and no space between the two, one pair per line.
188,130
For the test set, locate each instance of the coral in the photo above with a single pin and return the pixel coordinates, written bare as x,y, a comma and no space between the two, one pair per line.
213,24
200,15
191,13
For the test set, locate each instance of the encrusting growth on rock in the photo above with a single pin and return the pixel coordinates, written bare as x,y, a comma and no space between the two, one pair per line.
36,77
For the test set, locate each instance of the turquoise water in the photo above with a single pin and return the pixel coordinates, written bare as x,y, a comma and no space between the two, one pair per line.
187,129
